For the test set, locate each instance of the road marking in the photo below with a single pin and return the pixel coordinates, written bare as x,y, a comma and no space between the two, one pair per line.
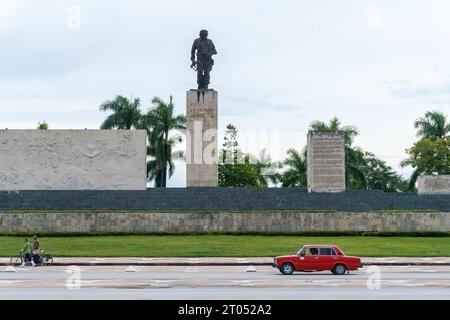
161,283
243,283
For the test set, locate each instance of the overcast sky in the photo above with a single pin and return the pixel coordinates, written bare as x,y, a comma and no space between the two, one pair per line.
377,65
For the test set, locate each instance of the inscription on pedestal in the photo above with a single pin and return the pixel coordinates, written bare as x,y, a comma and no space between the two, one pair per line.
201,138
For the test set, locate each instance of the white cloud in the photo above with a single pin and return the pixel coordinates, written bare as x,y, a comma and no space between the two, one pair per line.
279,66
9,11
374,18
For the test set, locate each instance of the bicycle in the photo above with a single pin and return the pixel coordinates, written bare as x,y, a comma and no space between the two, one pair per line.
17,260
43,259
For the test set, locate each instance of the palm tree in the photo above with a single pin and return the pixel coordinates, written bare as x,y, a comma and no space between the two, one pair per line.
433,126
126,113
352,170
265,169
159,122
334,126
42,125
296,174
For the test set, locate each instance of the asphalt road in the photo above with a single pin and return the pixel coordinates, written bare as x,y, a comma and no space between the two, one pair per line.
226,282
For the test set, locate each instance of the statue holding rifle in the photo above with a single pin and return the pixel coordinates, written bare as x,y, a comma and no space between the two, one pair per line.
203,49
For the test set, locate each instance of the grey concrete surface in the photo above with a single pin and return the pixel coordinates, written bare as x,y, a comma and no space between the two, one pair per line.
224,283
220,261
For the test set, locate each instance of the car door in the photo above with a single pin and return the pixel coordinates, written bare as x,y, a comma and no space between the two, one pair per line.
328,258
309,259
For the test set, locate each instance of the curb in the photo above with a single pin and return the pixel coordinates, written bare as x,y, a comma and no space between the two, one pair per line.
218,264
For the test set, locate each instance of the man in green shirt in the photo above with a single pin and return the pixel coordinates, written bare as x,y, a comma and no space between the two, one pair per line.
26,251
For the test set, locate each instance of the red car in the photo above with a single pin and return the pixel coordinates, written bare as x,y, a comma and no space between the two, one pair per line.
317,258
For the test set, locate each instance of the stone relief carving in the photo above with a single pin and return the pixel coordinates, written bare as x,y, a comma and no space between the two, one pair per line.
72,159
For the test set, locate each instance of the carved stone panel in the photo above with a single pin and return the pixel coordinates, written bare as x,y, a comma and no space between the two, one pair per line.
72,160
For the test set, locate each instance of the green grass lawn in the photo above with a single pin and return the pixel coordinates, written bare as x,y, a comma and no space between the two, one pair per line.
228,246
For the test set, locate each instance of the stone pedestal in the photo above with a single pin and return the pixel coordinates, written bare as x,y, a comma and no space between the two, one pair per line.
326,162
434,184
201,138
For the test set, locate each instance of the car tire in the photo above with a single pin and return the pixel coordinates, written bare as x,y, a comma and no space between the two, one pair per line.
287,268
339,269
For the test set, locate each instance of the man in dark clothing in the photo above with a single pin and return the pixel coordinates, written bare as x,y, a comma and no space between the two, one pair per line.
36,250
205,50
36,245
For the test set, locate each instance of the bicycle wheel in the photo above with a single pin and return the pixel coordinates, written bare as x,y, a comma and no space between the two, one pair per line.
16,261
48,260
38,260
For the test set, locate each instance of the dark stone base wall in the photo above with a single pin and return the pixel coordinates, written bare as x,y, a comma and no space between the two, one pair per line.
220,200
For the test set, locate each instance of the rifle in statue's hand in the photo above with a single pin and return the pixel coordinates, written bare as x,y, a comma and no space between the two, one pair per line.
194,65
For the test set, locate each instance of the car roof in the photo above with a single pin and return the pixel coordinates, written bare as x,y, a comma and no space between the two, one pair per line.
320,245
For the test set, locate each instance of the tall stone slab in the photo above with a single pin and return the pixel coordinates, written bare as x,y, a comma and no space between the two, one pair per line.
326,162
201,138
73,160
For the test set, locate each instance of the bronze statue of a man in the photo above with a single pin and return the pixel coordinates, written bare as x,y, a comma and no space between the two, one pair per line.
203,65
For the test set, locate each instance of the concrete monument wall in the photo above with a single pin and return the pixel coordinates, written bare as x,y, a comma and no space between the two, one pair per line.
72,160
434,184
326,162
222,222
202,137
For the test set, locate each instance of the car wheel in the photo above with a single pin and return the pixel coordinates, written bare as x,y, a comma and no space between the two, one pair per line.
287,268
339,269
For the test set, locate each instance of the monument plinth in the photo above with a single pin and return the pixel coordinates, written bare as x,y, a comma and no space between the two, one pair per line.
73,160
326,162
201,138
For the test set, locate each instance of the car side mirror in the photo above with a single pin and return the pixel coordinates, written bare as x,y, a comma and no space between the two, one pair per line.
302,254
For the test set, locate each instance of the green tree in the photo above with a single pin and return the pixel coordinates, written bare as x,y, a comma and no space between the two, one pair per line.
432,126
234,166
159,122
42,125
430,157
126,113
296,173
379,176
